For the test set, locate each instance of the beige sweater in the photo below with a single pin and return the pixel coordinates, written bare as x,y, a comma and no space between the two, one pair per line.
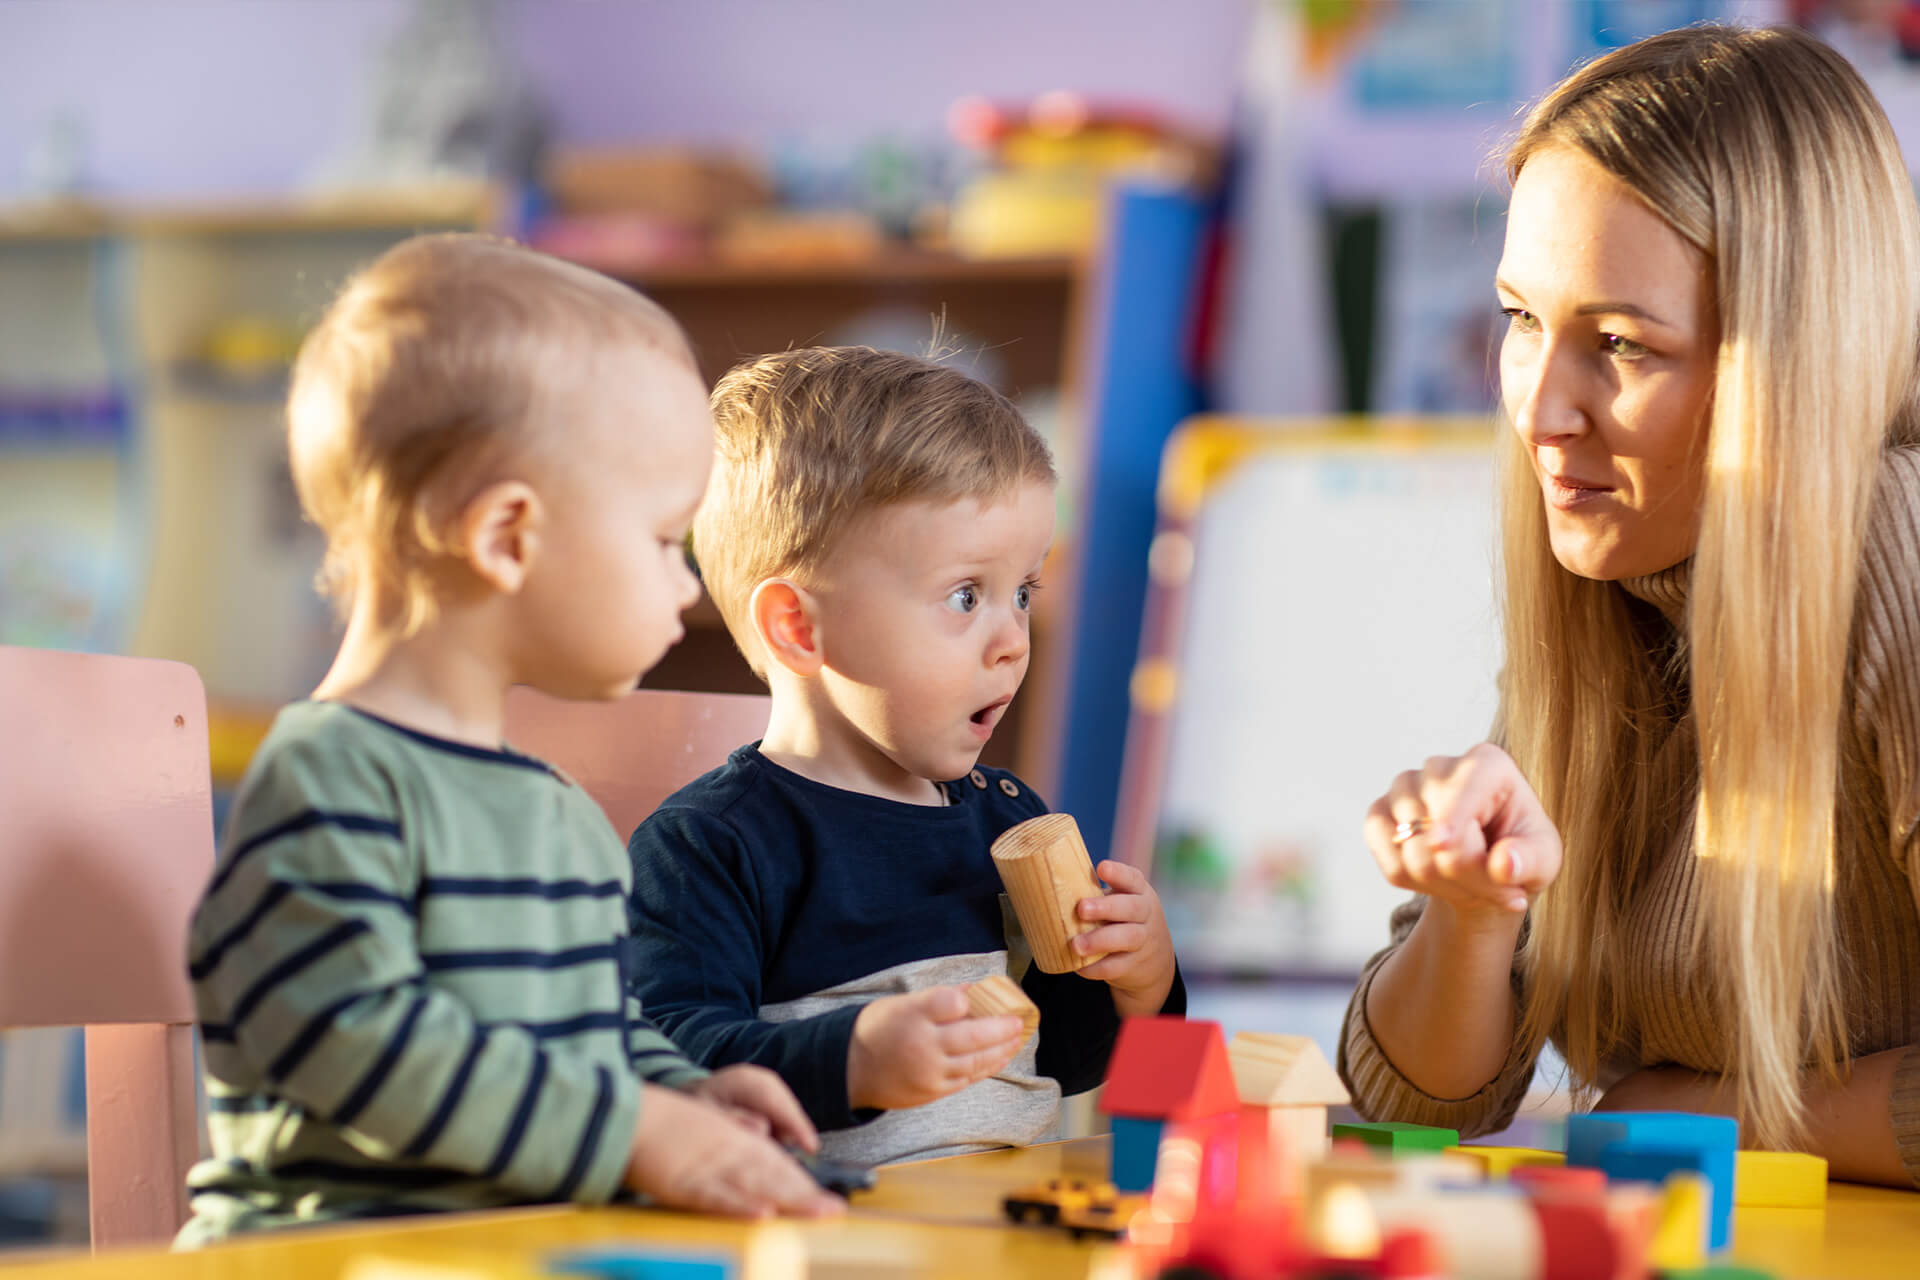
1670,1019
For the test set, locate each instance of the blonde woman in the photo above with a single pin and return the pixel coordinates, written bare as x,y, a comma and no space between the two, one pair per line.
1692,861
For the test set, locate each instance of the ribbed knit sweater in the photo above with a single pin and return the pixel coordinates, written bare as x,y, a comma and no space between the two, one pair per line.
1670,1015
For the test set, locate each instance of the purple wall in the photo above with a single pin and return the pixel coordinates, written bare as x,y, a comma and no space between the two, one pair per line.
212,97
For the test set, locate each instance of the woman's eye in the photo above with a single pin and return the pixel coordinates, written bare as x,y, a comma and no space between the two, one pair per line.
963,600
1522,320
1615,345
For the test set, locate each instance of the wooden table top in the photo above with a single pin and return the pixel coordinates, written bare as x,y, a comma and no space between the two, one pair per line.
940,1218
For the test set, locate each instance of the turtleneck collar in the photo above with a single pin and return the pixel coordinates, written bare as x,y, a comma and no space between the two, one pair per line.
1665,590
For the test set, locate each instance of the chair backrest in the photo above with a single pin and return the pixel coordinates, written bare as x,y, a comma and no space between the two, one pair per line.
631,754
106,840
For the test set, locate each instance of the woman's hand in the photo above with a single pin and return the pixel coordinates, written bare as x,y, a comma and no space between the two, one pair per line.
1466,831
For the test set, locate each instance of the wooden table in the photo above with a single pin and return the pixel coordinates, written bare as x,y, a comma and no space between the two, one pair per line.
940,1218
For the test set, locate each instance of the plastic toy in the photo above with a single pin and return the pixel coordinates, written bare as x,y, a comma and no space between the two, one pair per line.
1679,1240
618,1262
1162,1070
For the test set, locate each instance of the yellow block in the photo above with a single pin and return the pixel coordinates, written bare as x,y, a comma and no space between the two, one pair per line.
1779,1180
1500,1162
1680,1240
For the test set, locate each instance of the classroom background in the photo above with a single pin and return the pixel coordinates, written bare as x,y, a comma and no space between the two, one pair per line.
1233,257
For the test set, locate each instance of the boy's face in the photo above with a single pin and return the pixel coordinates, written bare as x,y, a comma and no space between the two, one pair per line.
923,616
603,602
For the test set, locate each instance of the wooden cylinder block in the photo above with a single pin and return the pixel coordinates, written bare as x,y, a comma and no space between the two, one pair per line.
1044,864
1001,995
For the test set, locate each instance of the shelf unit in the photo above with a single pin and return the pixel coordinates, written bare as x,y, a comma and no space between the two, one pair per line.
219,566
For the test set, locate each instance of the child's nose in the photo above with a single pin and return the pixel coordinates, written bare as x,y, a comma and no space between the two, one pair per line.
1010,641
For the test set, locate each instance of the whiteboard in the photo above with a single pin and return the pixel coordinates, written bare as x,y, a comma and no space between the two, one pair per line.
1339,627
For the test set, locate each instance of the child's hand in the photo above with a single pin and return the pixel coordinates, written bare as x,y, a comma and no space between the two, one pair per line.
922,1046
689,1155
1139,960
759,1099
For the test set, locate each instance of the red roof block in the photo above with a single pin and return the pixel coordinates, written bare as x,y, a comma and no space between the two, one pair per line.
1169,1069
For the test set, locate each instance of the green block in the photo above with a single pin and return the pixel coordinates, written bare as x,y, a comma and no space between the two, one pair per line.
1718,1271
1400,1139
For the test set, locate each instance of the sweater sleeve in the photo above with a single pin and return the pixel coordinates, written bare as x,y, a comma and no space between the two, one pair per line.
1380,1092
700,946
304,963
1887,699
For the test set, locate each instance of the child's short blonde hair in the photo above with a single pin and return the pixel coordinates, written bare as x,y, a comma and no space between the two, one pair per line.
807,440
435,367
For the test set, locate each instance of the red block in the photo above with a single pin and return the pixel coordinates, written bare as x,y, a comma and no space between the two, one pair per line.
1561,1179
1577,1240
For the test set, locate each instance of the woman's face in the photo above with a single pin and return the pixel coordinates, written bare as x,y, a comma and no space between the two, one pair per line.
1607,367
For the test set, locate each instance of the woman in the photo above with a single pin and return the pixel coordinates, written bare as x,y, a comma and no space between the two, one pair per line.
1694,864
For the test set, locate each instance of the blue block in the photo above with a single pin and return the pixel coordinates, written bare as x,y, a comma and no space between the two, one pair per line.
633,1262
1136,1150
1654,1144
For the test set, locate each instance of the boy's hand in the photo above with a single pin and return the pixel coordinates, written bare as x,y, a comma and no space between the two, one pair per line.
918,1047
1139,960
689,1155
760,1100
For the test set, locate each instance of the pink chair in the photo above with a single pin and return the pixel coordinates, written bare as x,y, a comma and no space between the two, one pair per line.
632,754
106,840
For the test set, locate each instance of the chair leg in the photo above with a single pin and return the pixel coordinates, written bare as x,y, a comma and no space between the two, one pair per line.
143,1131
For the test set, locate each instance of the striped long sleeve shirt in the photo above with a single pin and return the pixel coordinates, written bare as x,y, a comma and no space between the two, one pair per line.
409,967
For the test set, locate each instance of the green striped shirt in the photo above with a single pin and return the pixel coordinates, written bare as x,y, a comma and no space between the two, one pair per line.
408,967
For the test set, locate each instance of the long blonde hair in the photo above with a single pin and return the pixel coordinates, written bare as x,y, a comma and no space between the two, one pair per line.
1764,150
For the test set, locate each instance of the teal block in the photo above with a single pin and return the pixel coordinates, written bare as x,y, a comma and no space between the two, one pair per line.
1136,1150
637,1262
1649,1140
1400,1139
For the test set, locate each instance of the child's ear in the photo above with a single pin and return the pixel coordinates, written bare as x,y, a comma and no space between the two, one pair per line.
784,618
500,532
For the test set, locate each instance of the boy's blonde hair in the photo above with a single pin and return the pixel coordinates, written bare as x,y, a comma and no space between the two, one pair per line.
807,440
435,367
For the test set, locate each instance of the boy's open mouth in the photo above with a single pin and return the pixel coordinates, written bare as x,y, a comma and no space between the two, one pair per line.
986,715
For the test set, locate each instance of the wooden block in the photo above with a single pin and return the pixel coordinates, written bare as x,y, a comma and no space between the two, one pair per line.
1591,1136
1680,1237
1719,1271
1400,1139
1779,1180
1559,1179
1650,1162
1000,995
1487,1233
1578,1240
1044,865
1500,1162
1633,1214
1374,1173
1272,1070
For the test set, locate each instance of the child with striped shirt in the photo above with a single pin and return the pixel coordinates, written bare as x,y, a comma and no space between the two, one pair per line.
410,961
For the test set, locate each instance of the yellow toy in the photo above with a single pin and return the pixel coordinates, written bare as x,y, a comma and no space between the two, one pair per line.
1680,1239
1498,1163
1779,1180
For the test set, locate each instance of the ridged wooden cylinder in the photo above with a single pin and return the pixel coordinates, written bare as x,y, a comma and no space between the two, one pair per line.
1000,995
1044,864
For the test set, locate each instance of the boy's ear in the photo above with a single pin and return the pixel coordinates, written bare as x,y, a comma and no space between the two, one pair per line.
500,532
785,617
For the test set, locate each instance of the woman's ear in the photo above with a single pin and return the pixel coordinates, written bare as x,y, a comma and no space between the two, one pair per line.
786,618
500,534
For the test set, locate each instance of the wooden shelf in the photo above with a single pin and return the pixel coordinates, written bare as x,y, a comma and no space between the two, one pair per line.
451,206
894,266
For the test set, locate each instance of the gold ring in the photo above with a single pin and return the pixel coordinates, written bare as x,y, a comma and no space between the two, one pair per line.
1409,828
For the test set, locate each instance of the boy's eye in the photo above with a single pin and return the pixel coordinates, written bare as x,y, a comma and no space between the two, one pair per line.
1023,598
963,600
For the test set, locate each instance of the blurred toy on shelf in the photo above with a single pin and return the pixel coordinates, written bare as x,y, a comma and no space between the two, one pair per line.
1051,162
243,358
